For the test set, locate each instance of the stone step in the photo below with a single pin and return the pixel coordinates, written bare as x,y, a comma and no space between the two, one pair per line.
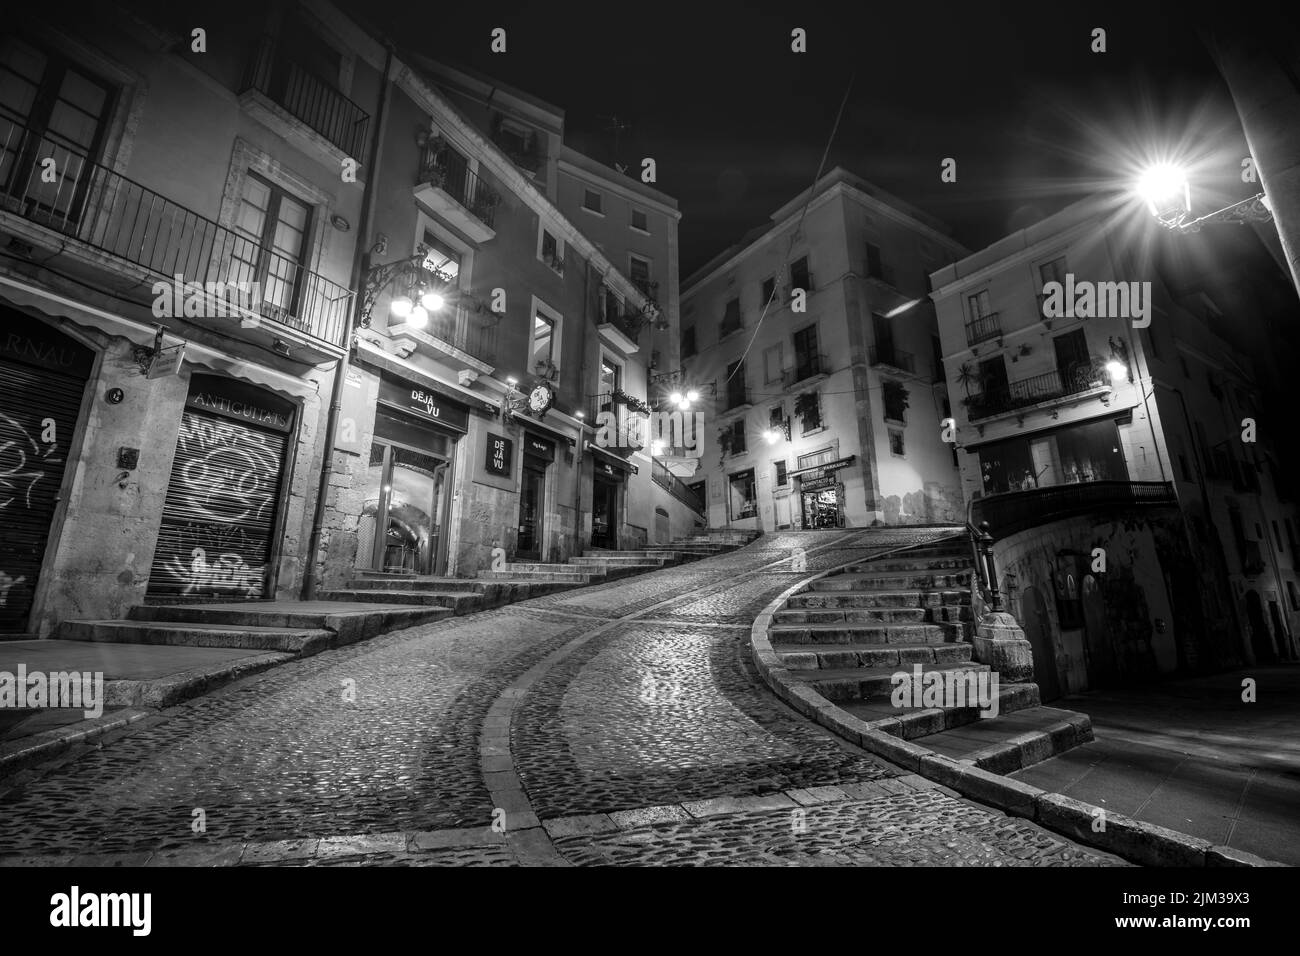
891,581
864,683
301,641
460,602
552,577
609,561
811,657
667,556
368,618
410,583
905,562
911,723
846,633
876,615
1013,740
879,599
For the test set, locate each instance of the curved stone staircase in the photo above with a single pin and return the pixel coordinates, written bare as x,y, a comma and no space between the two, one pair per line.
846,635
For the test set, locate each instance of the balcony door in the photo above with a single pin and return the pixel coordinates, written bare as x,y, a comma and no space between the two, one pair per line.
1071,358
49,109
806,360
270,247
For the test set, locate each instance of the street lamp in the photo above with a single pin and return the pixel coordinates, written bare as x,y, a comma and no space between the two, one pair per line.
1164,188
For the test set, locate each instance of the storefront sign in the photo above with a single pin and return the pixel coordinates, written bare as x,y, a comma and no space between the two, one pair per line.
816,484
817,471
242,402
41,347
539,447
500,453
424,403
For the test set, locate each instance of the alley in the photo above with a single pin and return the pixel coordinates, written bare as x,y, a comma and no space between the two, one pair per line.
621,723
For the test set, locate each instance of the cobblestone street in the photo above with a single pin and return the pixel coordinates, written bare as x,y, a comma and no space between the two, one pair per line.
621,723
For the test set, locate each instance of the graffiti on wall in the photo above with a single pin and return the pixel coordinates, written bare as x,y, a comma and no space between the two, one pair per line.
22,457
7,582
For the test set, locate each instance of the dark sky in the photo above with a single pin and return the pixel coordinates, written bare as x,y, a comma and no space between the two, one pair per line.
737,123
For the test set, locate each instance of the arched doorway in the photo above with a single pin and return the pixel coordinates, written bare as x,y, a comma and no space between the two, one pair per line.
1261,642
1038,630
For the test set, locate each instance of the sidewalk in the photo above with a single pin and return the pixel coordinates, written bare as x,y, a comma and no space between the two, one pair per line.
1190,755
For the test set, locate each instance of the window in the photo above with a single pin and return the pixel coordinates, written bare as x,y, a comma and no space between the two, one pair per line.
592,201
896,443
875,268
1277,536
808,406
776,419
611,306
519,142
735,435
272,228
688,341
552,251
993,378
640,220
936,356
1053,271
894,396
639,273
441,258
66,110
768,292
543,339
1182,467
731,317
807,361
813,459
744,503
1290,535
611,380
736,385
772,364
782,476
1293,596
979,305
800,277
883,330
1072,359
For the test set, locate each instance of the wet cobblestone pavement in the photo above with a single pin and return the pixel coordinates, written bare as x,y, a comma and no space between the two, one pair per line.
631,695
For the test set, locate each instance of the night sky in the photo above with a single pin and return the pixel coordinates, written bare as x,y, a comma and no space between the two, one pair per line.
737,123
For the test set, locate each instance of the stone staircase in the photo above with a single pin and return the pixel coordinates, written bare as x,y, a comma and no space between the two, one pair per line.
295,627
846,635
519,581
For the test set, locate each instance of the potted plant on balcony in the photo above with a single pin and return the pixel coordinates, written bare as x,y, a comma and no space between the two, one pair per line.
633,404
805,406
966,377
895,398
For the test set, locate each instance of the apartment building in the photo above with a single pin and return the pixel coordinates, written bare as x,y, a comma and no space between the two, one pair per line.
175,290
1114,424
814,349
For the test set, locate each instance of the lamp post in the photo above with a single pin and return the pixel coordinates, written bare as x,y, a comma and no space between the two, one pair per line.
1167,193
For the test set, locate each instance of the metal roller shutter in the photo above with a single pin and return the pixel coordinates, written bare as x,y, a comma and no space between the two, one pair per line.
219,515
31,474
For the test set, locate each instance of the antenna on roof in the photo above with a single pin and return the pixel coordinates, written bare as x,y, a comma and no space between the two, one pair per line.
616,126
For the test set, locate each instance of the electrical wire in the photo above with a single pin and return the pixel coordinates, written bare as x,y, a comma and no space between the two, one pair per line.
799,225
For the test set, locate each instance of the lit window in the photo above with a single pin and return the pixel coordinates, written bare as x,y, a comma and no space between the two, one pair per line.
543,339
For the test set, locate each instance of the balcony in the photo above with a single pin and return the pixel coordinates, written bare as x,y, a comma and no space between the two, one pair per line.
891,357
452,191
735,398
458,333
982,329
1014,511
1037,389
1252,558
526,157
306,98
807,365
146,233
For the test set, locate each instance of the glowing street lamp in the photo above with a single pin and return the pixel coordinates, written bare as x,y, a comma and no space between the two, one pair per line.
419,317
1118,370
1165,190
432,301
401,306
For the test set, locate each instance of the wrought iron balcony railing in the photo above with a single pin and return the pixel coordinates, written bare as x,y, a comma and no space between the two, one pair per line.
460,182
1037,388
528,158
307,97
982,329
106,211
892,357
675,486
467,330
1014,511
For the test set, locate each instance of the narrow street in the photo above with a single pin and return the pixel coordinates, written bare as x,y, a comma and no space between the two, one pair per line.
622,723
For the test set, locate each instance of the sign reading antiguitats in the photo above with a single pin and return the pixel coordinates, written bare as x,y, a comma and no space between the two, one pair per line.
245,403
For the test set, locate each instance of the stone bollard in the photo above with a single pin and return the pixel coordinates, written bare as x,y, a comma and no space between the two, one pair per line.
1000,642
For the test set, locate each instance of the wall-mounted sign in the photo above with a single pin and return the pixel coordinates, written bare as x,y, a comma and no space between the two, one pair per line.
539,447
540,400
606,470
500,452
424,403
238,400
167,361
816,484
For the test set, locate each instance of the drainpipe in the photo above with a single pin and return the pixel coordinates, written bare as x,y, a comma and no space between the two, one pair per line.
360,260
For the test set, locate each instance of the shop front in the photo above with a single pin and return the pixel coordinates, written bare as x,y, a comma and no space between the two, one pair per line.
407,486
821,494
43,377
608,481
221,513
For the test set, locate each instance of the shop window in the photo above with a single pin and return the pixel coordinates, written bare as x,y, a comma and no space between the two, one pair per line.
744,503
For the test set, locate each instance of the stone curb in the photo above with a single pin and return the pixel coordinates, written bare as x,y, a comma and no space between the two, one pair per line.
37,747
175,688
1139,842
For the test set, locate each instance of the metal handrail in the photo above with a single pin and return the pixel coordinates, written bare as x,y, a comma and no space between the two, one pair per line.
459,182
108,212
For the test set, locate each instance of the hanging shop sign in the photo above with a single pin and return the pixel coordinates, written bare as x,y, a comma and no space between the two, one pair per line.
500,454
424,403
